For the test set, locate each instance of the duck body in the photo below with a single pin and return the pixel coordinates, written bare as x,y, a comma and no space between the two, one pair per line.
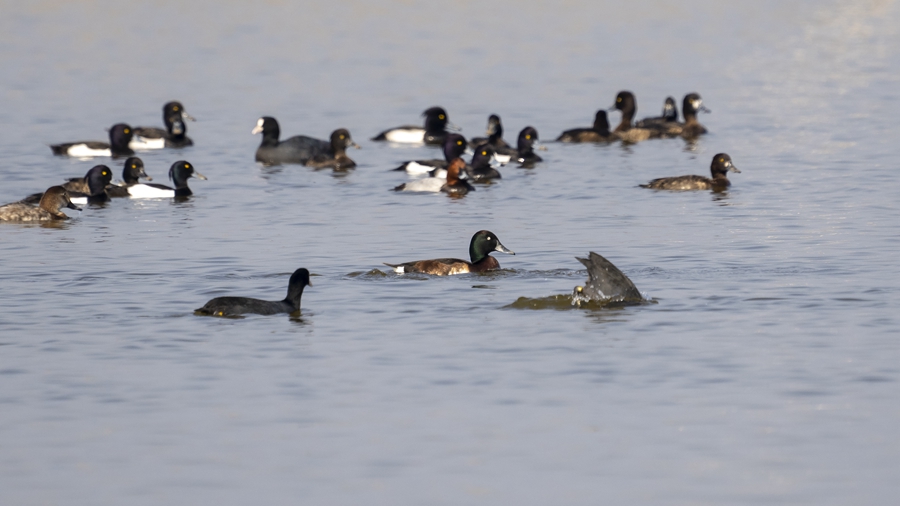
597,133
433,132
173,136
480,247
301,149
120,135
454,147
179,173
48,209
720,166
669,115
625,131
605,283
83,190
528,139
481,169
236,306
132,172
451,183
334,155
503,151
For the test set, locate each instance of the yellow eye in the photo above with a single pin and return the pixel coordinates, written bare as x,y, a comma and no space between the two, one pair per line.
342,137
134,166
618,100
527,136
127,130
459,143
103,173
187,165
484,153
440,116
721,159
175,108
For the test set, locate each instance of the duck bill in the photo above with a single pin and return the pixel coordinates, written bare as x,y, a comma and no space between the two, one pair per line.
703,108
70,205
354,145
503,249
187,117
199,176
732,168
145,176
257,129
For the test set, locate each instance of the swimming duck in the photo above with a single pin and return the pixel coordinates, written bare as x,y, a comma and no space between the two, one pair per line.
482,244
83,190
173,136
454,147
451,185
481,169
721,164
436,125
132,172
528,139
605,283
52,200
179,173
236,306
502,150
119,136
669,115
626,103
691,105
300,148
597,133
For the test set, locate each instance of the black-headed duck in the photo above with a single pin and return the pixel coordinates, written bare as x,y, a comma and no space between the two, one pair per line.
173,136
625,131
525,155
669,115
179,173
481,169
119,136
236,306
503,151
720,166
605,283
453,184
52,200
83,190
334,156
132,172
480,248
597,133
454,147
434,131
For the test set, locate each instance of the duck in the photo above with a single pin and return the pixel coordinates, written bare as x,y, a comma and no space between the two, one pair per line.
454,147
132,172
120,135
179,173
481,170
720,166
691,128
173,136
669,115
625,131
597,133
480,247
237,306
452,185
525,155
433,133
83,190
605,283
301,149
502,150
48,209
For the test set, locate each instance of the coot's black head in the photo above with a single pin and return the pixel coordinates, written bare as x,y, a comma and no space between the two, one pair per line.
494,127
341,140
454,146
527,138
692,104
269,128
299,280
134,170
601,122
119,136
483,243
436,120
180,171
482,157
55,198
97,178
174,117
721,165
670,110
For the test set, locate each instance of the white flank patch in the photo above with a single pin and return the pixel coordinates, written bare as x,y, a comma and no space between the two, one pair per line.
503,159
79,201
82,151
429,184
406,136
399,269
143,191
147,143
417,168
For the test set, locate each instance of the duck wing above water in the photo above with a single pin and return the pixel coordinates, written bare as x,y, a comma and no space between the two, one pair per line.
606,281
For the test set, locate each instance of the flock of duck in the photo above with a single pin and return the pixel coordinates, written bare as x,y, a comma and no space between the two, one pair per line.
452,175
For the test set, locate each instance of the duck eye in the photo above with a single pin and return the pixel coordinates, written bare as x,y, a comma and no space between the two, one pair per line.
721,159
527,136
459,143
342,136
134,166
127,130
619,99
103,173
484,153
440,116
175,108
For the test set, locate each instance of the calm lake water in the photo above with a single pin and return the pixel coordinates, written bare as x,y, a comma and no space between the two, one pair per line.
765,373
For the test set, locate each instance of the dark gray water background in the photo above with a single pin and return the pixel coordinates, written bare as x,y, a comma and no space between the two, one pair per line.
767,373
